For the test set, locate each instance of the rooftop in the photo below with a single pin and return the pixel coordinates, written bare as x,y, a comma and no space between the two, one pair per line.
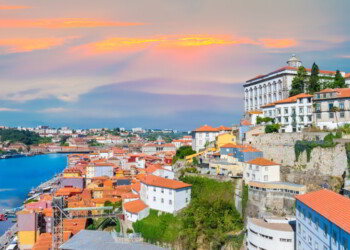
163,182
330,205
341,93
135,206
273,226
262,162
288,100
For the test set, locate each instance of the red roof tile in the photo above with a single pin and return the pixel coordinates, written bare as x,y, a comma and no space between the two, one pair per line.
206,128
152,180
330,205
262,162
135,206
341,93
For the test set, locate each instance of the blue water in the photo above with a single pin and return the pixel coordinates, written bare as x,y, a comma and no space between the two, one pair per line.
19,175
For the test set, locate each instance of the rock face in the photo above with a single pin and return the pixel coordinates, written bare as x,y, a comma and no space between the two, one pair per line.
324,161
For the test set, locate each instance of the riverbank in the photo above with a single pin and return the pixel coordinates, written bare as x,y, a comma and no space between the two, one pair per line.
22,174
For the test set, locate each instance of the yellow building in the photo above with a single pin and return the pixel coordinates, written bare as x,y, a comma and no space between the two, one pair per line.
223,139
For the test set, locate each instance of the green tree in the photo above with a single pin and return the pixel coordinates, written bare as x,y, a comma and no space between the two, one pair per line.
195,161
339,81
273,128
314,81
298,83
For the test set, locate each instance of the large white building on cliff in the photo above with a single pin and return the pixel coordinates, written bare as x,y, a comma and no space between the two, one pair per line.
275,86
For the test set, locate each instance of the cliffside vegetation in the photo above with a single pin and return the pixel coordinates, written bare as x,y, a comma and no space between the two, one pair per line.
182,152
210,220
308,146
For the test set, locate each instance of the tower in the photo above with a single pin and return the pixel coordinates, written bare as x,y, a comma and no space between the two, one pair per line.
294,62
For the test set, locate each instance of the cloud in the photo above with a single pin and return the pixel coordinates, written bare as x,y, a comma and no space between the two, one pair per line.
7,189
53,110
9,110
278,43
344,56
13,7
179,41
63,23
15,45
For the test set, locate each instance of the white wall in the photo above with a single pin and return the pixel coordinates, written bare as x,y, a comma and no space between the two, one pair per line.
254,172
164,173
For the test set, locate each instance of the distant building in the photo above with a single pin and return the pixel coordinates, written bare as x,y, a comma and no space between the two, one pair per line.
325,102
164,194
293,113
135,210
275,86
205,135
225,138
152,148
271,234
99,170
323,221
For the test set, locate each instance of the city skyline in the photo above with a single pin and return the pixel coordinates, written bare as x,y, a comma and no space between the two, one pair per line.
159,64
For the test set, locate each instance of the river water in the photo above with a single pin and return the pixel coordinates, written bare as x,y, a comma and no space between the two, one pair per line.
19,175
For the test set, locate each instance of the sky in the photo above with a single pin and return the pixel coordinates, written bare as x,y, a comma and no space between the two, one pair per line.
156,63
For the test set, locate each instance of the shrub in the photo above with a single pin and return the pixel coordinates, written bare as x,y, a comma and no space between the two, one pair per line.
273,128
129,231
260,120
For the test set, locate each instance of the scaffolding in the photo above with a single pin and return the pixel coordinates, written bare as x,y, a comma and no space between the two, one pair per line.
60,212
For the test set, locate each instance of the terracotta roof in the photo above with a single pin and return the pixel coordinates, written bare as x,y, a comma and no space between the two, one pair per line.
250,150
341,93
245,122
163,182
206,128
324,72
136,187
135,206
255,112
168,145
223,128
103,200
74,225
230,145
330,205
347,75
262,162
66,191
129,196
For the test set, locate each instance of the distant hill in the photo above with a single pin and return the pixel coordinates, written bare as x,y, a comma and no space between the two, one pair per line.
26,137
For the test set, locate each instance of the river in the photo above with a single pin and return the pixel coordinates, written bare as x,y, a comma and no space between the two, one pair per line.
19,175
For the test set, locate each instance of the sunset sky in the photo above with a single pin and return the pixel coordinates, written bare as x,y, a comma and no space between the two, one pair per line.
156,63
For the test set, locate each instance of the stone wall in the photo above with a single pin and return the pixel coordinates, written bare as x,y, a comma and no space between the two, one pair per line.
280,148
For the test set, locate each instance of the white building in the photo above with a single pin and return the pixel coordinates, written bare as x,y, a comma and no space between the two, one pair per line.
204,135
324,115
261,170
106,154
137,130
135,210
271,234
185,141
293,113
152,148
99,170
164,194
275,86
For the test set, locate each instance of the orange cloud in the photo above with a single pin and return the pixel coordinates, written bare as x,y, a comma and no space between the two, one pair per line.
61,23
13,7
15,45
190,41
278,43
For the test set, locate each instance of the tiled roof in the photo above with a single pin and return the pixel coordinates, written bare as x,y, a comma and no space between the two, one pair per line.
130,196
341,93
103,200
250,150
66,191
330,205
324,72
288,100
74,225
262,162
229,145
168,145
255,112
206,128
152,180
347,75
135,206
245,122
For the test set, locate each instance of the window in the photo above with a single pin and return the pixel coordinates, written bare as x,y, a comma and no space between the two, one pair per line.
162,200
325,248
186,191
342,114
334,238
345,244
331,115
301,118
162,191
316,245
341,106
330,106
309,118
250,167
278,111
325,230
270,113
170,202
186,200
266,178
293,111
299,228
248,175
301,110
304,235
309,109
286,111
266,168
310,240
286,119
154,199
309,218
317,96
170,192
318,115
317,223
318,107
154,189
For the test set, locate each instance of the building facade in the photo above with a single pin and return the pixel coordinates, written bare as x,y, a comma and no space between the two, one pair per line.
152,148
271,234
323,221
205,135
261,170
99,170
293,113
332,108
164,194
275,86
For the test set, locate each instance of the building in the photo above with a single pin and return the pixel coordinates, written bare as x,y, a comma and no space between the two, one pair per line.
271,234
323,221
28,229
261,170
99,170
164,194
242,152
153,148
205,135
135,210
223,139
275,86
325,101
293,113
